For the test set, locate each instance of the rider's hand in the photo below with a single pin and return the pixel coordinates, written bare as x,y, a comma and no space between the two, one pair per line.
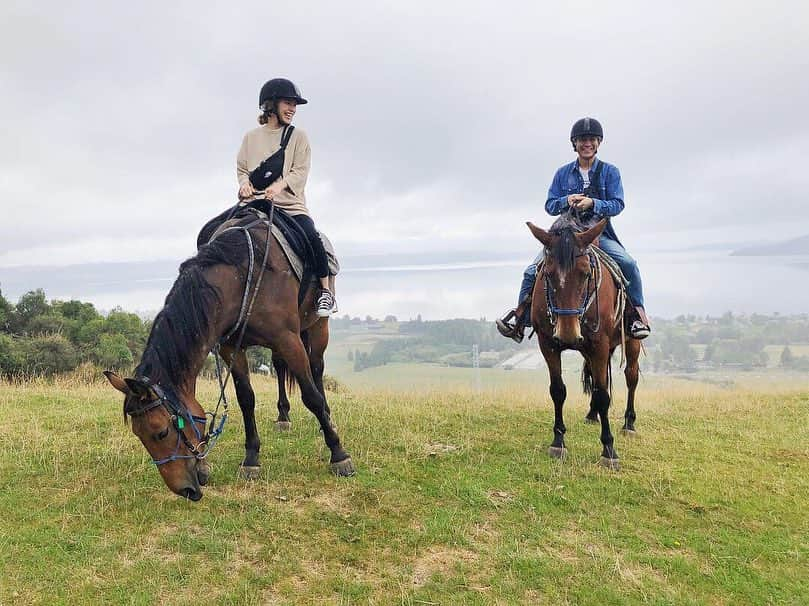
574,199
585,203
246,190
273,190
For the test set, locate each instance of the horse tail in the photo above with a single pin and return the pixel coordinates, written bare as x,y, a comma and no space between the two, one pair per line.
586,379
283,374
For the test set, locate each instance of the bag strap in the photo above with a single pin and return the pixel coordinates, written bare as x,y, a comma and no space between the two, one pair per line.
286,135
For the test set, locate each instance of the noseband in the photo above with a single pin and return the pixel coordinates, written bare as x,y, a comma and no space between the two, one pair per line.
589,295
180,416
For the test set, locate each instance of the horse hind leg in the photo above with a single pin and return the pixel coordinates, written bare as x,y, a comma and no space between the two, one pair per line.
631,373
285,379
292,349
591,418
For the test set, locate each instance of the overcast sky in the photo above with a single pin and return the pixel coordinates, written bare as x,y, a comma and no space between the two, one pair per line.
434,125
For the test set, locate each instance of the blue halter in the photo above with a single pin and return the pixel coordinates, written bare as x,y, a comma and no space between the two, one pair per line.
585,299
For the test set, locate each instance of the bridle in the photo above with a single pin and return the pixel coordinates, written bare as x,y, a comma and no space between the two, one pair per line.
179,417
589,295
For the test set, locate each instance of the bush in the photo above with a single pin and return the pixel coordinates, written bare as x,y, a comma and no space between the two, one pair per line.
49,354
12,357
112,352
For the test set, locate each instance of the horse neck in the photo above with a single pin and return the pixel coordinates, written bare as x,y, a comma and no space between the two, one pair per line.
184,332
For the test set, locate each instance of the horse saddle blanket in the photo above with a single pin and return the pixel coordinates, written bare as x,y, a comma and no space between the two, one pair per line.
612,267
290,237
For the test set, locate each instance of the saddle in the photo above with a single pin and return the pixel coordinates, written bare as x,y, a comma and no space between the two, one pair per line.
290,237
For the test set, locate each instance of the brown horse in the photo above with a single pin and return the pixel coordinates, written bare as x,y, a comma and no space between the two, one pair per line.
206,306
574,308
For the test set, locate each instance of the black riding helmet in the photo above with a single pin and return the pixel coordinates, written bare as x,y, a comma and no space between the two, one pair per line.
278,88
586,126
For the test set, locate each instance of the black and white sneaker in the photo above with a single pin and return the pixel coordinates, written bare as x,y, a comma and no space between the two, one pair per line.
326,304
639,330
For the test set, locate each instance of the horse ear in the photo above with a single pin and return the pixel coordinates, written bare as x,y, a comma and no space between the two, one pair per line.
540,234
141,389
586,238
117,382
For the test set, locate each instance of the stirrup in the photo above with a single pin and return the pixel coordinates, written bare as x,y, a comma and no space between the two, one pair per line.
510,331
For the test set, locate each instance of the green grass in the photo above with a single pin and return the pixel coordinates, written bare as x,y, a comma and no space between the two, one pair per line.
455,501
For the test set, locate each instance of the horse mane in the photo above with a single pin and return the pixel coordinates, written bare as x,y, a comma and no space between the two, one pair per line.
189,310
565,247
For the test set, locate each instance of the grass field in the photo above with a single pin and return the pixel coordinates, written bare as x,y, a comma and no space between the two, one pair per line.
455,500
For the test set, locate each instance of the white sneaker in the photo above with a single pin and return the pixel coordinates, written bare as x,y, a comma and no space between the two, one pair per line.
326,304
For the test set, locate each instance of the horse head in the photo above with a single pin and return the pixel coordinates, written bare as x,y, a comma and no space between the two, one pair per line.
567,275
171,430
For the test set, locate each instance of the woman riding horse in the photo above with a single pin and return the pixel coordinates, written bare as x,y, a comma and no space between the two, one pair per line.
283,176
587,185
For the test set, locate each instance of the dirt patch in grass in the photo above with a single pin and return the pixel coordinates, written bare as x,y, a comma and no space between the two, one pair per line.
438,559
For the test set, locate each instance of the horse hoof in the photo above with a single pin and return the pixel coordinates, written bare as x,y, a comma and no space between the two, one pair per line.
557,453
344,468
591,421
629,433
249,472
283,425
612,464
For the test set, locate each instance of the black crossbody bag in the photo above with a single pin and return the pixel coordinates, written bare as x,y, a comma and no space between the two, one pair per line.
271,169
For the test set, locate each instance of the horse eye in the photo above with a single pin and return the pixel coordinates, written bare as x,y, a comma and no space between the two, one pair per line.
162,434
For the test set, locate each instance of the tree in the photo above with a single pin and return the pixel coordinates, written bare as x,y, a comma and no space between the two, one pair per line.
787,359
6,309
30,305
112,352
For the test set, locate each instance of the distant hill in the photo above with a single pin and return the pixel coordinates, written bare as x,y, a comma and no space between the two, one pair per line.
796,246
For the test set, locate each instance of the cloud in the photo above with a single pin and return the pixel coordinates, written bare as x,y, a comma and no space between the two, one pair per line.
434,126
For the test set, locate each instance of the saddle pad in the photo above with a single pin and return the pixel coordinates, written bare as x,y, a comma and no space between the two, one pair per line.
295,261
612,266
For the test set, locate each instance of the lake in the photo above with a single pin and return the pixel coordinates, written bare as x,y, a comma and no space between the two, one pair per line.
704,282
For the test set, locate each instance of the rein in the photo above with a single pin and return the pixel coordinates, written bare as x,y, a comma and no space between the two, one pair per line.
166,398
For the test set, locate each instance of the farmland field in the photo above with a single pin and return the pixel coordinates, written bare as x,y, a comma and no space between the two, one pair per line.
455,500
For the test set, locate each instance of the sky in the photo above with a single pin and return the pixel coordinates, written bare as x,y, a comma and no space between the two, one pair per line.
435,126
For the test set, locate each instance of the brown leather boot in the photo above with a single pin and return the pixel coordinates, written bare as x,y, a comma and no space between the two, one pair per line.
515,331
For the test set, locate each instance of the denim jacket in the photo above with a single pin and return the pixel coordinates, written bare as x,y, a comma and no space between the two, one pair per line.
567,180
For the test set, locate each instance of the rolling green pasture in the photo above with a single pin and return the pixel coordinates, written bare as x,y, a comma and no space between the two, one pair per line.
455,500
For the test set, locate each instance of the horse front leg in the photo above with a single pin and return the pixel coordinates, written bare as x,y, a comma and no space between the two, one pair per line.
283,422
631,374
558,391
250,466
599,364
291,348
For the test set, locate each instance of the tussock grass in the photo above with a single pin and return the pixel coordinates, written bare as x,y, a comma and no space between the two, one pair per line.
455,501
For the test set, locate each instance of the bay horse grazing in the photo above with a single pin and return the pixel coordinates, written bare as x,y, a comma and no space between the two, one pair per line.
206,306
574,308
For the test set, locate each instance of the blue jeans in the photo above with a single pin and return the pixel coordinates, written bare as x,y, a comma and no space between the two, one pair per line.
628,266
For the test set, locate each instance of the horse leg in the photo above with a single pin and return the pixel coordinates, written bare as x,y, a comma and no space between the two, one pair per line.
291,348
282,423
599,364
591,418
553,358
250,466
631,375
318,340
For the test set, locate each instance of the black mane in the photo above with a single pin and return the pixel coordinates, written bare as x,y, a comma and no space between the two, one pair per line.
189,311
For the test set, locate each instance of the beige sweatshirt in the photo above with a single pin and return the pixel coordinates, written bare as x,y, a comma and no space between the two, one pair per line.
260,143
